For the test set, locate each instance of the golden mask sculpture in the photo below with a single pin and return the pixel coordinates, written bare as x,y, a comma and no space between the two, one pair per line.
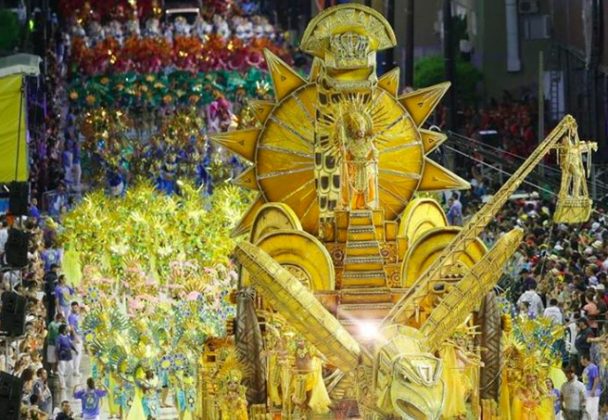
338,245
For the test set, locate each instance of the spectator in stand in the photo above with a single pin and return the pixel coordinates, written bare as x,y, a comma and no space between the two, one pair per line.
51,340
50,283
455,211
584,338
591,311
602,308
50,255
43,392
593,387
572,397
66,412
534,301
33,210
3,235
554,313
27,376
34,411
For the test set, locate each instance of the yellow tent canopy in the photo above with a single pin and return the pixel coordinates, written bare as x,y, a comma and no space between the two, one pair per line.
13,144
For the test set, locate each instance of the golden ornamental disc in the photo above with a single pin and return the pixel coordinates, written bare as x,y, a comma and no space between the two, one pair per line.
284,154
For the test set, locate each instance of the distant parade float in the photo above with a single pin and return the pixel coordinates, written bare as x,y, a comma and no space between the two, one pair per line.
355,296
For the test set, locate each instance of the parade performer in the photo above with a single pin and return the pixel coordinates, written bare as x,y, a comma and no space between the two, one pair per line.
532,400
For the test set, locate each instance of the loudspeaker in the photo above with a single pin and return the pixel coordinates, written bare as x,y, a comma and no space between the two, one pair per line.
12,315
16,248
491,138
11,391
17,203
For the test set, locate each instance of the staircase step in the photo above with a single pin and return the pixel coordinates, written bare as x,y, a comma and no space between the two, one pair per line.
363,279
363,311
361,233
362,248
359,218
360,213
366,295
363,244
364,263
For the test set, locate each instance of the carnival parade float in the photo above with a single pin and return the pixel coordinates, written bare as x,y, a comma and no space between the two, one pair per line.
355,297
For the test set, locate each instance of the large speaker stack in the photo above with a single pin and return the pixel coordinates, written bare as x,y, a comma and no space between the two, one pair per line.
11,391
12,315
16,248
18,198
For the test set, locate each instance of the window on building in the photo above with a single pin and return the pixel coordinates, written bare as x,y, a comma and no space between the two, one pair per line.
537,27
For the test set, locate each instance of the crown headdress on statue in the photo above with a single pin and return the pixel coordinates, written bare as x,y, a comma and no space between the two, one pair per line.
350,48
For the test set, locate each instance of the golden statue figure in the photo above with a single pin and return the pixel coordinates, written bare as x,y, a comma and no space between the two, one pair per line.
574,204
360,162
573,171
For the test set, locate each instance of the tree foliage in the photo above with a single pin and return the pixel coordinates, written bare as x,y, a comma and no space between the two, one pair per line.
9,34
431,70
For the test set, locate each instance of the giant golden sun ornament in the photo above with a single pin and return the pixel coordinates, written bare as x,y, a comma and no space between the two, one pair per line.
282,149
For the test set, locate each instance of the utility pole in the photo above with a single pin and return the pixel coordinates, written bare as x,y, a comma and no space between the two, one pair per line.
409,43
389,8
541,105
592,69
448,56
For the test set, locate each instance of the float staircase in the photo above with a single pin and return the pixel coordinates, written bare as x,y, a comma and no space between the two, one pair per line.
364,297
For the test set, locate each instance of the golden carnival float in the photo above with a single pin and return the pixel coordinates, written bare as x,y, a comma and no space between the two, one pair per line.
356,299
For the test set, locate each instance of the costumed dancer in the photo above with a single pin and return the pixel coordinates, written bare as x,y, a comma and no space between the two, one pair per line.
145,403
278,367
166,181
150,401
185,395
233,404
458,386
231,401
116,184
308,387
219,113
531,399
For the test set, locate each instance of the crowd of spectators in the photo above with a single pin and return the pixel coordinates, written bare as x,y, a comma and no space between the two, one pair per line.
37,356
515,124
51,142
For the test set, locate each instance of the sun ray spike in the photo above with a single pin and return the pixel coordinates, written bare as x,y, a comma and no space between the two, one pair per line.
420,103
431,140
315,69
247,179
437,178
390,81
261,109
241,142
284,79
244,225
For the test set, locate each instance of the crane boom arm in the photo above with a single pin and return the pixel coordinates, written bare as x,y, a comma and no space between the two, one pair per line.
406,306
